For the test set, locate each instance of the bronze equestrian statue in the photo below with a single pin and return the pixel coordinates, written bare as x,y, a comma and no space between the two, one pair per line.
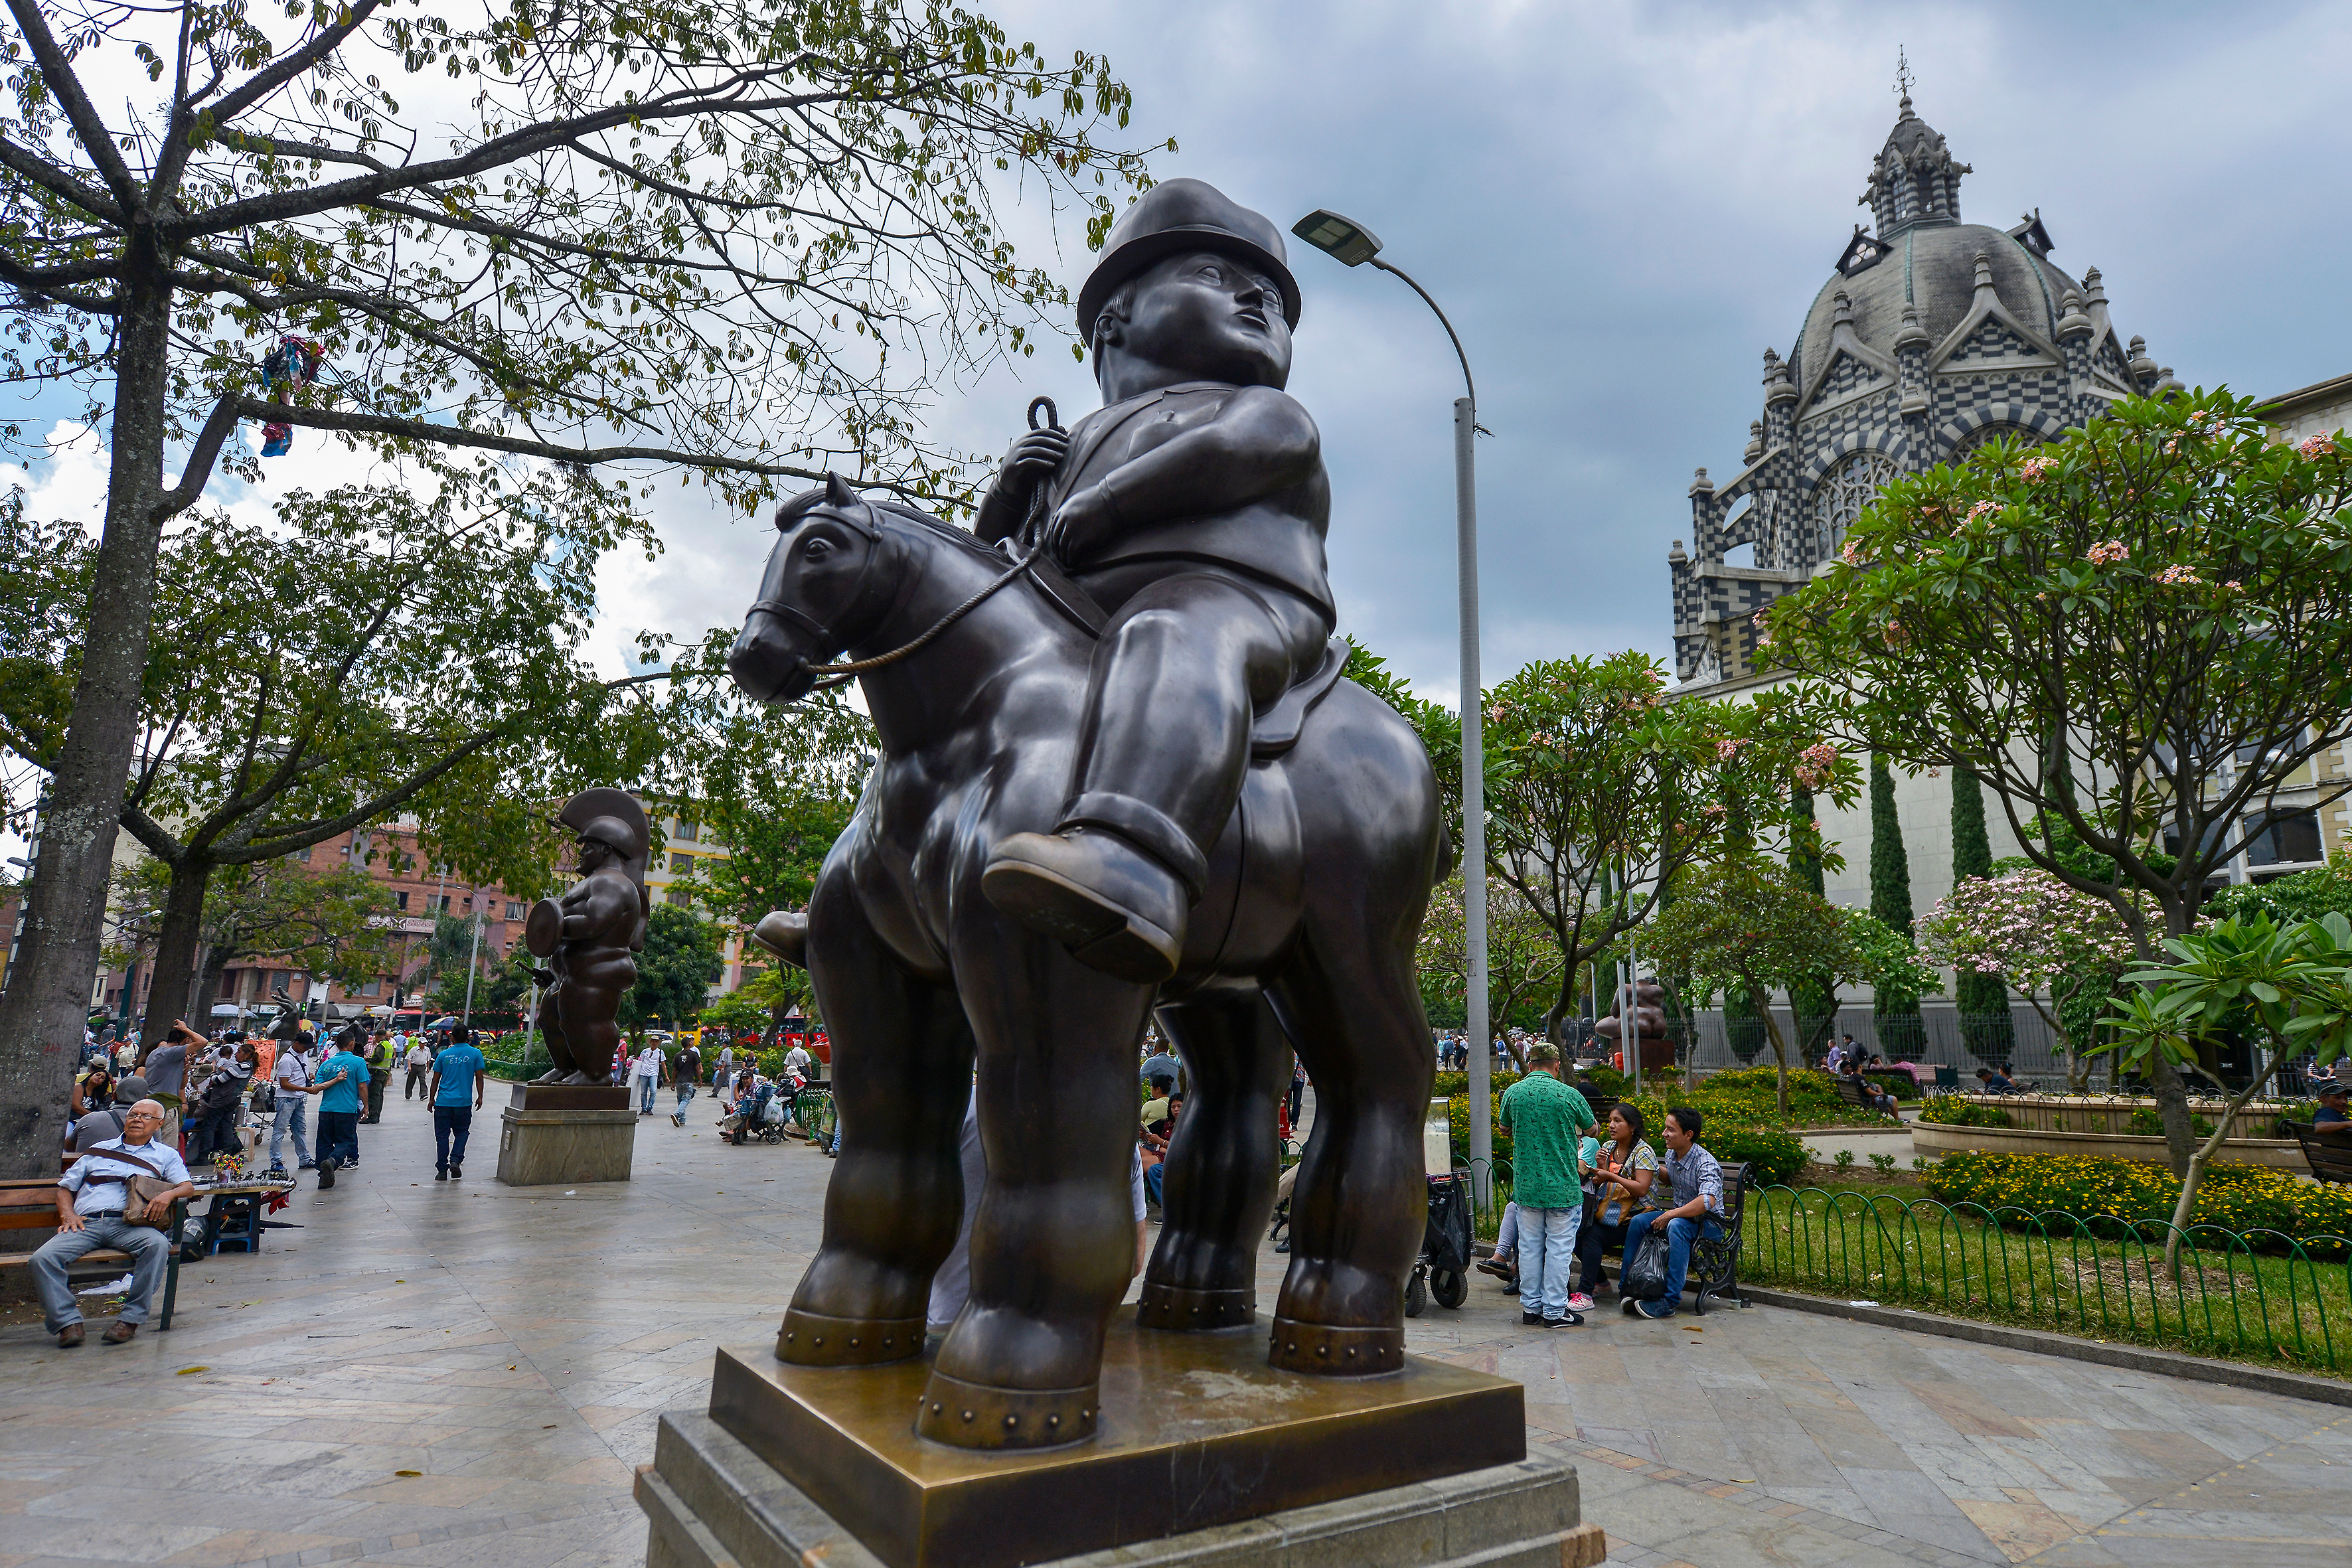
1131,780
591,936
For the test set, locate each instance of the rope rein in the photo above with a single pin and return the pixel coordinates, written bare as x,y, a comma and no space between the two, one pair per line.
843,674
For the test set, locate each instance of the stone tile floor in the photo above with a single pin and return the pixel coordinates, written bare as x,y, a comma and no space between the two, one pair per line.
515,1349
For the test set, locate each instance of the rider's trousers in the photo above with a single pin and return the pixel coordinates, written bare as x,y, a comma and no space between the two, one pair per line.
1187,659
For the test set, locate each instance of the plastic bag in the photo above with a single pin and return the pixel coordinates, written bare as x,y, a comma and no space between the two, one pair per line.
1644,1277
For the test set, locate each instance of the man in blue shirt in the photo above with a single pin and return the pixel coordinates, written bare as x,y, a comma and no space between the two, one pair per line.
341,1086
455,1071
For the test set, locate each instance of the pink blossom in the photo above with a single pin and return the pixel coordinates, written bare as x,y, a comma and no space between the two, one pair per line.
2180,576
2033,468
1727,750
2109,553
2315,446
1850,552
1983,509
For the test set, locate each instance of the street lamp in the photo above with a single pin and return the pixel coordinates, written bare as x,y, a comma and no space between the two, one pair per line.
1350,243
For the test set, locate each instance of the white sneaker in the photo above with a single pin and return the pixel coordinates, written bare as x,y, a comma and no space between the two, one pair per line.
1579,1302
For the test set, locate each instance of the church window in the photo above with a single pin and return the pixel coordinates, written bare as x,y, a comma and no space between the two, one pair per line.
1983,434
1844,490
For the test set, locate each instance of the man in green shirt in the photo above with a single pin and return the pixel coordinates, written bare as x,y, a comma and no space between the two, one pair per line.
1546,1118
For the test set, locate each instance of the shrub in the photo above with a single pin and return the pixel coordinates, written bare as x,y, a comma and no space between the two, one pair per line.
1450,1084
1774,1154
1951,1110
2240,1198
1901,1085
2146,1123
1844,1162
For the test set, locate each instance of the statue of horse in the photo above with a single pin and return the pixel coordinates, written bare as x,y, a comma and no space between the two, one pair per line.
1304,937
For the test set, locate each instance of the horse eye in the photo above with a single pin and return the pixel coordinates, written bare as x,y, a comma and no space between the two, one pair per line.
818,548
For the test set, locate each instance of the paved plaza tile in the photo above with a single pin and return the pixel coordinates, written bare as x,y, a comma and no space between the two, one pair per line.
515,1351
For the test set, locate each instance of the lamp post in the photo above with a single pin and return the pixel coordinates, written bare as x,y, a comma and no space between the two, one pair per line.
1351,244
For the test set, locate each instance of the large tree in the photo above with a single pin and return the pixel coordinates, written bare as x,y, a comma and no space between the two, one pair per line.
334,922
1747,922
741,238
1522,956
1900,1026
380,650
1980,999
2138,639
1600,792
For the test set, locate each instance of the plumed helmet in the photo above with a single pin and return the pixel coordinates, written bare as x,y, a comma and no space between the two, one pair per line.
1184,215
612,817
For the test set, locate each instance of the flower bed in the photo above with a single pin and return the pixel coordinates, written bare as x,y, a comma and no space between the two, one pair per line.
2254,1200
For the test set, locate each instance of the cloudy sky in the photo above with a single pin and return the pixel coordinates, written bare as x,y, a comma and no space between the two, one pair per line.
1622,206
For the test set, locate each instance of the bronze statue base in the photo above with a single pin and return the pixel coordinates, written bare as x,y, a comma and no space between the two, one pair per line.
1196,1432
713,1503
570,1097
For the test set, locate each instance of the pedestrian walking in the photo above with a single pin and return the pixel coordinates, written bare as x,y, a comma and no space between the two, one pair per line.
290,1075
647,1070
687,1073
419,1058
455,1071
341,1089
1546,1119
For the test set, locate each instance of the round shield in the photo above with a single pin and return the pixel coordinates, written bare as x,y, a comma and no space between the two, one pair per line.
543,929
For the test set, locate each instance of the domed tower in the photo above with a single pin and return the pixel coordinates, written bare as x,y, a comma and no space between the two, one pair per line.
1931,336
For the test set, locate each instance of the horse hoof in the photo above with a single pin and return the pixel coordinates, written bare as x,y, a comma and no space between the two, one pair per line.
1321,1350
812,1339
785,933
1174,1308
1115,907
974,1415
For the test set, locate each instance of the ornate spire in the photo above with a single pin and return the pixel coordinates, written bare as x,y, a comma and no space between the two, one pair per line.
1914,179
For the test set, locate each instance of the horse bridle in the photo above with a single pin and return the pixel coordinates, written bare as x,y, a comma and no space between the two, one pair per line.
843,673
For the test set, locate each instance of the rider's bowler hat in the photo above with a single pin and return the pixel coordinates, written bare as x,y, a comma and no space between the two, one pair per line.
1184,215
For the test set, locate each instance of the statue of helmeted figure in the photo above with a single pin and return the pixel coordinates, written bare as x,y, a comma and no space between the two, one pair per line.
591,936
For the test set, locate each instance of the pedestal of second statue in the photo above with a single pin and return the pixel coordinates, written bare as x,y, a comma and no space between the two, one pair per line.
566,1133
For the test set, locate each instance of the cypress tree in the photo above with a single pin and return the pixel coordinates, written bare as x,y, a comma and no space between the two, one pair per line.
1901,1030
1813,999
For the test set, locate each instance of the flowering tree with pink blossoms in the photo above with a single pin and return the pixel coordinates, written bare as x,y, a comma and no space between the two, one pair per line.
2035,933
2137,636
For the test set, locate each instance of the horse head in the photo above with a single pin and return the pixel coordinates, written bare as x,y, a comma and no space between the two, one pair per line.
828,584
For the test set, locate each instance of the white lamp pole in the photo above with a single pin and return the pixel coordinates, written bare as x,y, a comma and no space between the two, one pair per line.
1351,243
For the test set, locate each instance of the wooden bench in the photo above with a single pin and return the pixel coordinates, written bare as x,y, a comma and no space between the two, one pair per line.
32,1206
2330,1154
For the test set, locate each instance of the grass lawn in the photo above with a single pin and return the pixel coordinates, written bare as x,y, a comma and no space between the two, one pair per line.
1887,1242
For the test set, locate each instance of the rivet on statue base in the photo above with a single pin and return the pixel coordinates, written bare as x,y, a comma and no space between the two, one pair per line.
1204,1455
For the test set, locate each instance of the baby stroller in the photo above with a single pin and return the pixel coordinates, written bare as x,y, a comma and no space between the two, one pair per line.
1443,1270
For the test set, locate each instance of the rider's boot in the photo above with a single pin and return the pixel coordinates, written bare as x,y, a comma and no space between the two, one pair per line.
1116,908
785,933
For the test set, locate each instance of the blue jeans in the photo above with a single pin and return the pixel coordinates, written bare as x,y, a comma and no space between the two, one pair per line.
294,1111
1546,1249
451,1126
646,1087
1680,1234
339,1136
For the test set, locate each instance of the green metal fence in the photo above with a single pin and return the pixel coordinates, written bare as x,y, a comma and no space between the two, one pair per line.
2259,1293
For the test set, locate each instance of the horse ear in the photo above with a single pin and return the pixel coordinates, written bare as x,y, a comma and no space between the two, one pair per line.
837,491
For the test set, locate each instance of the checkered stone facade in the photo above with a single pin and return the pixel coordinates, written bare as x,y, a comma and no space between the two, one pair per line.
1934,336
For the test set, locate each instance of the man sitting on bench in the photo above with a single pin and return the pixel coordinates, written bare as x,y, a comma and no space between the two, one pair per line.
91,1198
2331,1118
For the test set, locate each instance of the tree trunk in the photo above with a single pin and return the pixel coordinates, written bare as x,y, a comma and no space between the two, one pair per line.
48,1001
208,976
1772,1033
176,940
2206,1148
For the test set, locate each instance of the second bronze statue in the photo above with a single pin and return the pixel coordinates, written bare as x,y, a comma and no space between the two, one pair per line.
1139,785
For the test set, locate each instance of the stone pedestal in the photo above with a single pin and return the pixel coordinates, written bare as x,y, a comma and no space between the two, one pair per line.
1206,1456
567,1134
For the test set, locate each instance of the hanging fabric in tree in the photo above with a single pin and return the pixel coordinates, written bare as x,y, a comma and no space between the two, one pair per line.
289,367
